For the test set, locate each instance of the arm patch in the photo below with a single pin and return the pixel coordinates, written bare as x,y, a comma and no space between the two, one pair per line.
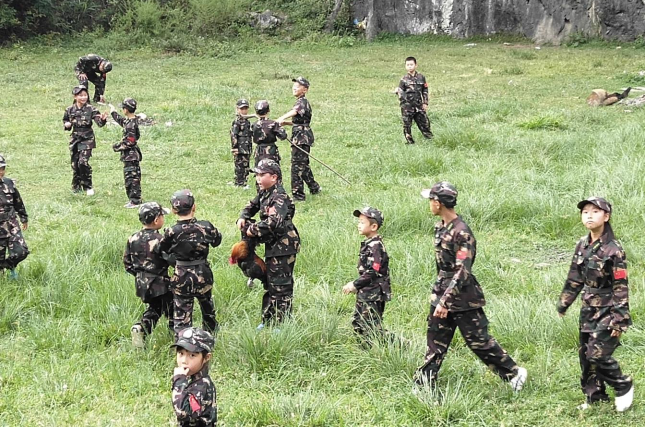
195,405
620,273
376,266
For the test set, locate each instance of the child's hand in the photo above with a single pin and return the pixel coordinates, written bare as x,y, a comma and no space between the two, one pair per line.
82,76
68,125
181,370
615,333
104,116
234,151
102,99
240,223
349,288
424,107
24,226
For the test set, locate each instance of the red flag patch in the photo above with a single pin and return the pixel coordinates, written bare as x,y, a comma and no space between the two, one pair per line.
620,273
376,266
131,138
195,405
462,255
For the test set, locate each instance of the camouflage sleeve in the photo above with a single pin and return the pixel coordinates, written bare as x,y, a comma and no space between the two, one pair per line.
463,263
215,237
118,118
375,258
130,134
401,89
299,107
127,259
251,209
276,213
620,309
424,91
80,66
66,118
96,115
194,401
280,132
166,242
19,206
235,130
573,283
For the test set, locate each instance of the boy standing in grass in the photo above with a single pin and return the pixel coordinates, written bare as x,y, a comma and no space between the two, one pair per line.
241,143
11,239
373,285
282,242
599,270
78,118
302,140
143,260
188,241
265,133
457,298
95,69
130,152
413,100
194,395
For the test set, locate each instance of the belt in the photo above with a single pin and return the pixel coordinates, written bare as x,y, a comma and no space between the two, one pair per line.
445,274
602,291
188,263
299,124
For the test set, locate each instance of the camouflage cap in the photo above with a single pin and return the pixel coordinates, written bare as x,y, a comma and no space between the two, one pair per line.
129,103
599,202
151,210
182,200
195,340
370,213
78,89
268,166
262,106
3,161
444,192
107,66
242,103
302,81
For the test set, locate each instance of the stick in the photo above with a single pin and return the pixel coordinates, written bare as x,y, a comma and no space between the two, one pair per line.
335,172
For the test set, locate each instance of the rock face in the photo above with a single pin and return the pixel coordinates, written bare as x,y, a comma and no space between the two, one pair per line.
544,21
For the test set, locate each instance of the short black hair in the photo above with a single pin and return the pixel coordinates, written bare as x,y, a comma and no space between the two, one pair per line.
129,109
183,211
373,221
411,58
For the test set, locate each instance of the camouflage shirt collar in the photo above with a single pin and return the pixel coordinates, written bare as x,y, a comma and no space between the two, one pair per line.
375,238
186,221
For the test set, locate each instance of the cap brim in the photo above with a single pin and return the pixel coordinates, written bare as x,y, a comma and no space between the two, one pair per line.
426,193
357,213
165,211
582,203
187,346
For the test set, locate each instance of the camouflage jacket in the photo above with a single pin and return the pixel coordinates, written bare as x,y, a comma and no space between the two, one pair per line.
241,135
301,131
266,131
89,64
599,270
81,119
128,147
143,260
195,400
275,228
456,288
10,205
373,283
413,92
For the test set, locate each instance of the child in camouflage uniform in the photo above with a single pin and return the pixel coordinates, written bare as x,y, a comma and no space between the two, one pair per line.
194,395
188,241
130,152
95,69
302,140
413,100
457,298
598,270
241,143
78,118
265,133
11,239
282,242
373,285
143,260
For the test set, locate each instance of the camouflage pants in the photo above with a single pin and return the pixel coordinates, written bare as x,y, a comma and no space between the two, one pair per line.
183,311
599,368
279,291
132,179
422,121
266,151
81,169
14,244
99,85
301,171
241,166
473,325
155,308
367,317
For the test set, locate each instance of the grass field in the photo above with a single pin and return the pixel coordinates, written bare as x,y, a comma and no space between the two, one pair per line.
513,133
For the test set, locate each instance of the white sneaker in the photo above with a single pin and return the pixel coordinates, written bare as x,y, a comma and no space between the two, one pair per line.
260,327
623,402
250,283
137,333
90,192
519,380
583,406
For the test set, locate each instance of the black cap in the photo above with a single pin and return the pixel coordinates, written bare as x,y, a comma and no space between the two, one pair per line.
302,81
182,200
371,213
151,210
78,89
107,66
129,103
262,106
444,192
599,202
268,166
3,161
195,340
242,103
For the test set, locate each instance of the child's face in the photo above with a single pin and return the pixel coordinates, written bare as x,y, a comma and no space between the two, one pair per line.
435,206
2,170
298,89
193,362
81,97
365,227
411,66
593,217
266,180
243,111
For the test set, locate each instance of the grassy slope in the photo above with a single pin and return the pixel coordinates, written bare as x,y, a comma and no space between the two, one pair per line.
512,132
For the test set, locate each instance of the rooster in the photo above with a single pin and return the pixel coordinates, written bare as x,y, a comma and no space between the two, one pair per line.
243,253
